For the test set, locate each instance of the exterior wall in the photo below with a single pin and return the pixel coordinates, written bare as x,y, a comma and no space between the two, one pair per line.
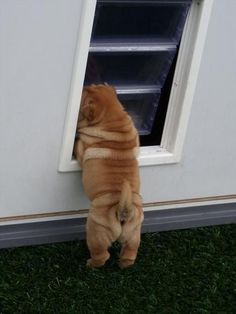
38,41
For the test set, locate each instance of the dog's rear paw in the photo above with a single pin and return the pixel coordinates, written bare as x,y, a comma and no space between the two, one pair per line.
89,263
124,263
92,263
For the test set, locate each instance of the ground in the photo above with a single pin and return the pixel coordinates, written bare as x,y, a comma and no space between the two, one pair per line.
188,271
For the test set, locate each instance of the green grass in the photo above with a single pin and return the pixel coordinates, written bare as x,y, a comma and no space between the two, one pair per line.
190,271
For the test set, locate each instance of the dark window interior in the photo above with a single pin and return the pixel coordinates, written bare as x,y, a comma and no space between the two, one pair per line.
134,47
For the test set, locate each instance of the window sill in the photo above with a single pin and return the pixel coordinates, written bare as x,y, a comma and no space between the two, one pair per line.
149,156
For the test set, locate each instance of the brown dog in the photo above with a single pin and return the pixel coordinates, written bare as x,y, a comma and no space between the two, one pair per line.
107,150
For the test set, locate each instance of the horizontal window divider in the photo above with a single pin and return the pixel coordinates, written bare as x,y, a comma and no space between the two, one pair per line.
131,47
146,1
137,89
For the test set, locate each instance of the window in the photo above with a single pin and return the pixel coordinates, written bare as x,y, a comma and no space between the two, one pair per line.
148,50
133,46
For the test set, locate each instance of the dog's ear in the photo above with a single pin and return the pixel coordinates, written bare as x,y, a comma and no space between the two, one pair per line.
88,110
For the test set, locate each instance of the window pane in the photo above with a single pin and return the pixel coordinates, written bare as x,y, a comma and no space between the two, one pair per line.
139,19
124,68
142,108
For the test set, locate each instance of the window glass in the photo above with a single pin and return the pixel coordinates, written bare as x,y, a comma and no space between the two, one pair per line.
129,68
135,20
142,107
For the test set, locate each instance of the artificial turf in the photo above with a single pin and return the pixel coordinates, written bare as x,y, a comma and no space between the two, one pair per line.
188,271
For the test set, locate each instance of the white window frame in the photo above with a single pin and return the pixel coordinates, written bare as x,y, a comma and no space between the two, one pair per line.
181,96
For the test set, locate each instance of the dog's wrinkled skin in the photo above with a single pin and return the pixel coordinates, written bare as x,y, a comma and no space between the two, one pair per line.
107,150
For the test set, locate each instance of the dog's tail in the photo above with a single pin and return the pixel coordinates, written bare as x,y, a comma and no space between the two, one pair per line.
125,206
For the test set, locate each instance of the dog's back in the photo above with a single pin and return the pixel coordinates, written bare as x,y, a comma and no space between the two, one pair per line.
108,151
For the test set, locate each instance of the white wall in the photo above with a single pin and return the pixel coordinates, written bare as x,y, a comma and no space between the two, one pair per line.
37,45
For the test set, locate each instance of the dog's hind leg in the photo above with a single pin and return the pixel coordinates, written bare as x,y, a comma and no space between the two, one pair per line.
98,241
129,249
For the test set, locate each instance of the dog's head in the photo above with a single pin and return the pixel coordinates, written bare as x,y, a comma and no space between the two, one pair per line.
99,104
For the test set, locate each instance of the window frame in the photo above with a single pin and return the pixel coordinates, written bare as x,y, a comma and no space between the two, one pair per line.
181,95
